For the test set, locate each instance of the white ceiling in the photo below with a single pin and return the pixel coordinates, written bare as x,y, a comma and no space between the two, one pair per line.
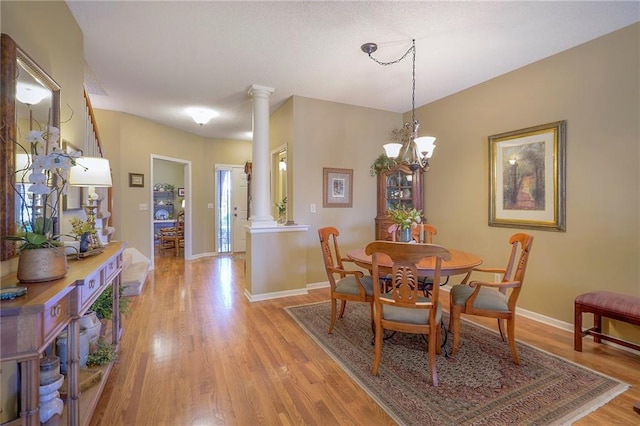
153,59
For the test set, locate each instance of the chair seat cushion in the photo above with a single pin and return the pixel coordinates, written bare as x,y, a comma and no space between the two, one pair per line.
348,285
410,315
488,299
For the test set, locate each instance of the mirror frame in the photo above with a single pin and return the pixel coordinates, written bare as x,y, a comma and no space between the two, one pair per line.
12,59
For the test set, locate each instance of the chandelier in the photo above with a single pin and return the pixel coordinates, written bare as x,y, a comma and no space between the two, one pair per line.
414,151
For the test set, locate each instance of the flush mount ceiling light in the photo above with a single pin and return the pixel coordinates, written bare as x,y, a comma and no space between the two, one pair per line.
414,151
201,115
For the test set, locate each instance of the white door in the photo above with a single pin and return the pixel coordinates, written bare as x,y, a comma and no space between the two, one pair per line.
239,202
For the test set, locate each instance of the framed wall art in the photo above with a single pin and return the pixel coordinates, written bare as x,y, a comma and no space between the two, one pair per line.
527,178
337,188
72,200
180,192
136,180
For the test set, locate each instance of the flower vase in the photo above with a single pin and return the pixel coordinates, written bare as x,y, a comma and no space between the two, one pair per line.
43,264
84,242
405,235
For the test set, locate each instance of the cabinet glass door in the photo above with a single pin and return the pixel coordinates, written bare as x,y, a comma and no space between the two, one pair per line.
399,191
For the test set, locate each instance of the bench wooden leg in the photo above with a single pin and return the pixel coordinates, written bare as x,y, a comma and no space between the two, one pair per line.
597,325
577,328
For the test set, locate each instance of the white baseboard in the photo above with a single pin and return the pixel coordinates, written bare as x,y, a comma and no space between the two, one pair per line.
274,295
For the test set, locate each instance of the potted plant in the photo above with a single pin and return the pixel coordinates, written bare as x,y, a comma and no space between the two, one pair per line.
103,306
282,210
382,164
81,231
42,179
102,355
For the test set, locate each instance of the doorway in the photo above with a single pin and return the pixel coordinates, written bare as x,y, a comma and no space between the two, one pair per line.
231,208
174,174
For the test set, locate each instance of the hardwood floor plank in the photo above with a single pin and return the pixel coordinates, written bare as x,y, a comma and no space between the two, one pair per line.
195,351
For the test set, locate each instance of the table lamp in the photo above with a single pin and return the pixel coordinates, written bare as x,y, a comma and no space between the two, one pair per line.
91,172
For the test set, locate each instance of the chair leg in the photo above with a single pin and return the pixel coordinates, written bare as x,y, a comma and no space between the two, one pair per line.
432,357
373,322
454,326
500,328
438,331
334,308
343,305
378,347
511,329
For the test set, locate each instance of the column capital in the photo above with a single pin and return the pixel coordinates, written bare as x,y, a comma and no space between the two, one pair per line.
258,90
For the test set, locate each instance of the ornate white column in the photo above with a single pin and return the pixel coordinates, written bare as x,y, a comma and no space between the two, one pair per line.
260,188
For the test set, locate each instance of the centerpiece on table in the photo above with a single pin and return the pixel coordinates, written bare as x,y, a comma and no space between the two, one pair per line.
42,173
404,219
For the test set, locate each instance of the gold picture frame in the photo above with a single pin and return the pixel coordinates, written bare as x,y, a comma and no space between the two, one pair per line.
337,188
136,180
527,178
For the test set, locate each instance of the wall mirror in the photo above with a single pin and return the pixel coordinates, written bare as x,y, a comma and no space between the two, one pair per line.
279,182
29,99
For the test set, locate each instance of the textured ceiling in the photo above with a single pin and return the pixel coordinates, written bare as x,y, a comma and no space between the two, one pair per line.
153,59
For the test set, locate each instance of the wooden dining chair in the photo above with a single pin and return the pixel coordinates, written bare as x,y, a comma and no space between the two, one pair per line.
491,299
404,308
173,237
429,232
346,285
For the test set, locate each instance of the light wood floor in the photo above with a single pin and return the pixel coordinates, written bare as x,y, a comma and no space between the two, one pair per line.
196,352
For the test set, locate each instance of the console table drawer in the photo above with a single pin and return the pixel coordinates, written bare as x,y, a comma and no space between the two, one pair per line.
112,268
90,287
56,316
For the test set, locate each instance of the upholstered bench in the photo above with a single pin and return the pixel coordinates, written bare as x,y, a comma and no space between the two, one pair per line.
607,304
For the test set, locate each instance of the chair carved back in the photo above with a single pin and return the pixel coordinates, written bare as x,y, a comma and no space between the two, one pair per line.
517,266
405,291
331,253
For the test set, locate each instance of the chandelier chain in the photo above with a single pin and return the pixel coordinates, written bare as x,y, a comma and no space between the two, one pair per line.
412,48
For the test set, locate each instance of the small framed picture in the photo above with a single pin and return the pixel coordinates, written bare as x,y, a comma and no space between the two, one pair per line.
180,192
337,187
136,180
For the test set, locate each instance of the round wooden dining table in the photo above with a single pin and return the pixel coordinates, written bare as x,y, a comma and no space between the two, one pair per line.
461,262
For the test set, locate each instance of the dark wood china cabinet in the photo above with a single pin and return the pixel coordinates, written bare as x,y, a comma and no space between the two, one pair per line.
397,187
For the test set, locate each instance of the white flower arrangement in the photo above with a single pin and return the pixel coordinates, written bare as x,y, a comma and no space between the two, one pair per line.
405,218
45,174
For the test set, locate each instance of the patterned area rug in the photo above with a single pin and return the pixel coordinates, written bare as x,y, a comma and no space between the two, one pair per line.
481,386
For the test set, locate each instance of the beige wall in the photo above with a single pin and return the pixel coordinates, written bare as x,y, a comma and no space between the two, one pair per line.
595,88
333,135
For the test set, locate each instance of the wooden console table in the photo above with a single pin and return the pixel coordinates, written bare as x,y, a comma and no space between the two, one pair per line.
30,323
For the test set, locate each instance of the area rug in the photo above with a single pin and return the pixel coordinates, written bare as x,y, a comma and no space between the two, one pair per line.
480,386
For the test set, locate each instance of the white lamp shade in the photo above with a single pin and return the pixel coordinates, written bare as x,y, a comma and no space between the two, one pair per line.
30,94
426,145
392,149
201,115
90,171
